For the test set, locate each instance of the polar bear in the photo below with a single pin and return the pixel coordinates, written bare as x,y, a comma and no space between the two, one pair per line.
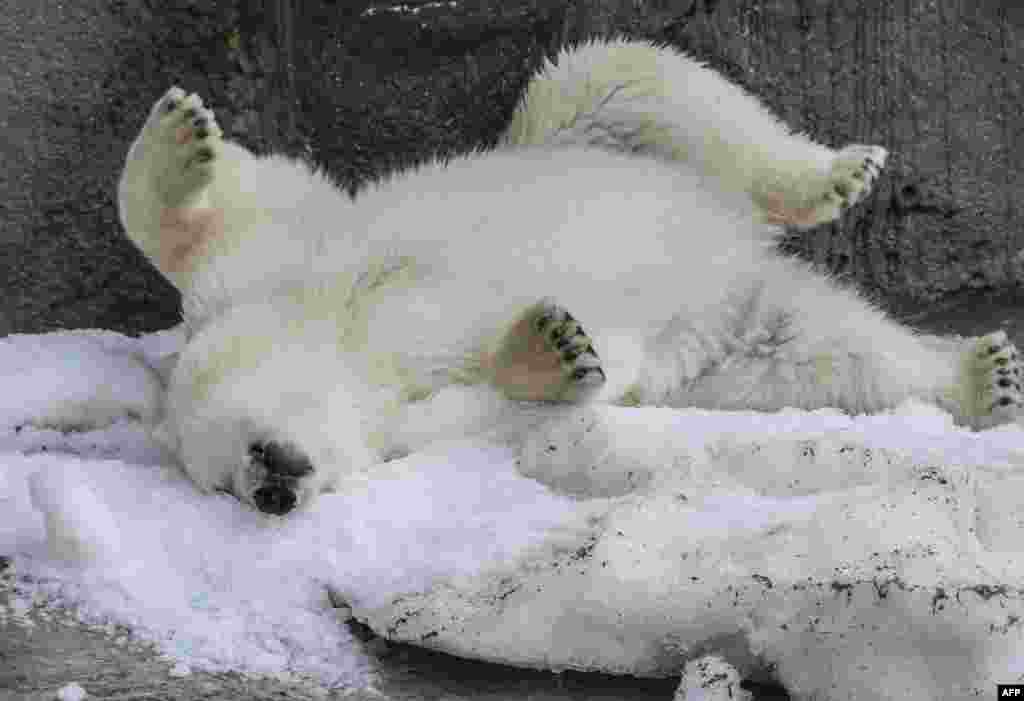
616,246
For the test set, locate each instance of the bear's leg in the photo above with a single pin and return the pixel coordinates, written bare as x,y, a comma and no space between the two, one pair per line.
545,355
643,99
163,190
803,342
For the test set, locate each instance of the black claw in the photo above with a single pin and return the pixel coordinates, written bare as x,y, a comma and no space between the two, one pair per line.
992,350
1001,361
199,122
1005,401
191,113
170,106
562,343
542,322
581,373
1004,382
204,155
842,190
202,133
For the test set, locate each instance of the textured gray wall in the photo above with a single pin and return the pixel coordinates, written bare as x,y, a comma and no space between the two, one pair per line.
63,262
939,83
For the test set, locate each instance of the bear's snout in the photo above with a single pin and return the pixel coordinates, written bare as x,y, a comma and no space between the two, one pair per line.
274,499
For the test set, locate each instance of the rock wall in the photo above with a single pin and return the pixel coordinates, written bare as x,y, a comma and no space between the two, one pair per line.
938,83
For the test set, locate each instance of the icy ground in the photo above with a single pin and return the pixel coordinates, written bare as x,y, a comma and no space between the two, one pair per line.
766,537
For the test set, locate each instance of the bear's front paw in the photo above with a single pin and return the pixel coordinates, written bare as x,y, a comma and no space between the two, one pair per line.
181,140
546,355
991,375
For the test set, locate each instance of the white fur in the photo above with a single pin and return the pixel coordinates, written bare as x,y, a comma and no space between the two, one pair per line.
317,319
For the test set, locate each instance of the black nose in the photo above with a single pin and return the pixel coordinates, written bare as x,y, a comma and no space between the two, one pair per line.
274,499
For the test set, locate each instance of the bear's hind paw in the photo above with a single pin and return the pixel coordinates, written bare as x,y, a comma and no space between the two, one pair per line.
827,193
853,174
992,374
547,356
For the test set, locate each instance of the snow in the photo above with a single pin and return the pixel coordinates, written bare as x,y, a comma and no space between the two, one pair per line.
53,379
711,678
79,526
609,538
71,692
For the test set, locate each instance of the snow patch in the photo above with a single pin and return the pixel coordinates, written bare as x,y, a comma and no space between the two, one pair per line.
71,692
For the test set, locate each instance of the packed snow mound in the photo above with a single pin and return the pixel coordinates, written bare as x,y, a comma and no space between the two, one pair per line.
80,380
852,555
859,557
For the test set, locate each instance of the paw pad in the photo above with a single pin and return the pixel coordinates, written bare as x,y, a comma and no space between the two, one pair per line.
547,356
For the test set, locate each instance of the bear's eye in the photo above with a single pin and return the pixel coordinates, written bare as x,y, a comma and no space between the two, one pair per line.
256,450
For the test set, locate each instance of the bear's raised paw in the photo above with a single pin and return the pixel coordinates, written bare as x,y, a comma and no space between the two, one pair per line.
181,142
